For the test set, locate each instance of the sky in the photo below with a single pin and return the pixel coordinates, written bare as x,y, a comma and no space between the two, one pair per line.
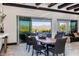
41,23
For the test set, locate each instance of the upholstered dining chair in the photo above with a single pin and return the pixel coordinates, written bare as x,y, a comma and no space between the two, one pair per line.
59,35
37,48
59,47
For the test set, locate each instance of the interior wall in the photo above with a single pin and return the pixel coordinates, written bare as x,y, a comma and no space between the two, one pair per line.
10,21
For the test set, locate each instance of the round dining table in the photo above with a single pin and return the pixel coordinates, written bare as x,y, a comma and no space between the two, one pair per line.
46,41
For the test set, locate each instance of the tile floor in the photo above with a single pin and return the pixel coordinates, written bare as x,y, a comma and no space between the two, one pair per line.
72,49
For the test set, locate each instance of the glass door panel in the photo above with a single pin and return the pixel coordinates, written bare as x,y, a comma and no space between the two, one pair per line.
41,27
67,26
24,27
73,26
64,26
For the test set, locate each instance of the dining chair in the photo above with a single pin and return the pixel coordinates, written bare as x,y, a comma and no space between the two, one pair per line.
59,47
25,39
37,47
29,43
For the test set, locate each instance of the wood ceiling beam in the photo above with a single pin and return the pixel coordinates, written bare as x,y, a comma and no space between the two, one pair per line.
64,5
77,9
51,4
72,7
37,4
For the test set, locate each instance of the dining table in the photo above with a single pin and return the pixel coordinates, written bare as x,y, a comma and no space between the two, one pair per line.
46,41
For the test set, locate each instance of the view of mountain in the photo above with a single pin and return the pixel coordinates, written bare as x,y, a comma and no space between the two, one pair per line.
41,28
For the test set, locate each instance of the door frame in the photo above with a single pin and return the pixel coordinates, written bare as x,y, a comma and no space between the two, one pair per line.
17,17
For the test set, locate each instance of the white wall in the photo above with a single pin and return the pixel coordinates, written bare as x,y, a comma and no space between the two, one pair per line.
12,12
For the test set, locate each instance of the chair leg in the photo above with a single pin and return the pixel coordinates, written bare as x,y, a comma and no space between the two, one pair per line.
63,54
56,54
32,52
53,54
29,48
40,52
45,53
0,53
26,46
36,53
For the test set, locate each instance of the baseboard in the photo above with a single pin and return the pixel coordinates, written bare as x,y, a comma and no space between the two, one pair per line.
12,43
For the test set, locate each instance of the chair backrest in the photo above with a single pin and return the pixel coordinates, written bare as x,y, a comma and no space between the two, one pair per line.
34,41
59,35
22,37
31,41
60,45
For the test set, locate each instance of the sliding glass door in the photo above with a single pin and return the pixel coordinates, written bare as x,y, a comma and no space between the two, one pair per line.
33,26
64,26
67,26
24,27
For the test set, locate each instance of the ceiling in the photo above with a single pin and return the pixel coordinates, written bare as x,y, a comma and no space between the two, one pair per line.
72,7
